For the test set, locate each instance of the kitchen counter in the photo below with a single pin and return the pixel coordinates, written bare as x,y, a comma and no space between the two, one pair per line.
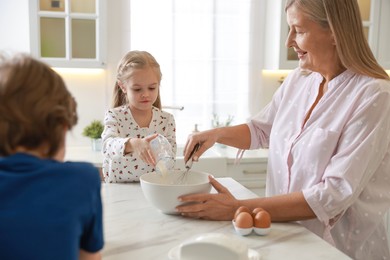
133,229
228,154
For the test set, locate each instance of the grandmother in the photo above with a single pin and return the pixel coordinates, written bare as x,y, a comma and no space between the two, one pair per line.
328,133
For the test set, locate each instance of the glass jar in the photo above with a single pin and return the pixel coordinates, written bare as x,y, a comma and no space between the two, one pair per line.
163,153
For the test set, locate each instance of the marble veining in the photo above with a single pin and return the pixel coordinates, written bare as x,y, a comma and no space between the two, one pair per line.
133,229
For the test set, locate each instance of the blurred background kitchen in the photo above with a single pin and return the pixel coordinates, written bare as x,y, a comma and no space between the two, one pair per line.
220,59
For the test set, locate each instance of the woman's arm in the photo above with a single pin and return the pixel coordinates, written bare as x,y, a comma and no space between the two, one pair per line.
286,207
222,206
237,136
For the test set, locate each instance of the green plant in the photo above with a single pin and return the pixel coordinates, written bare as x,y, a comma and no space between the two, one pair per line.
94,130
217,123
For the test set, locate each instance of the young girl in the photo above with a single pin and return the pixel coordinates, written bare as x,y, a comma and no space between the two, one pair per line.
135,119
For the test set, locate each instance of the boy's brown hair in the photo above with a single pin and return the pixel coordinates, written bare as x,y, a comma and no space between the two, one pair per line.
35,105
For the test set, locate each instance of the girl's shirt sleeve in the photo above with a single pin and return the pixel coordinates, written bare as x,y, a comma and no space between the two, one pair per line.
113,140
170,133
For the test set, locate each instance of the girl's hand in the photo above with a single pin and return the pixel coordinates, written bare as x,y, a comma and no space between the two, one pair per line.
142,149
220,206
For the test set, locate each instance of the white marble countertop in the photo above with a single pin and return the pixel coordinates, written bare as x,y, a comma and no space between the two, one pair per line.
133,229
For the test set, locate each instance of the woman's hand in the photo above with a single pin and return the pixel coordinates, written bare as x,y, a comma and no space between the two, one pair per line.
220,206
142,149
238,136
205,139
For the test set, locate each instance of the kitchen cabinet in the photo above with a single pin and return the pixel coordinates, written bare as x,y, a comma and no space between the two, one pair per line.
250,171
251,175
387,220
68,33
382,51
375,16
277,55
375,19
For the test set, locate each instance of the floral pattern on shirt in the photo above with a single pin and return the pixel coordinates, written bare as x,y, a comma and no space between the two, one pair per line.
119,126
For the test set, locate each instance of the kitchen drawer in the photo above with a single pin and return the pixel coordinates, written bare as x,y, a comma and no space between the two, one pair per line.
251,175
253,183
247,170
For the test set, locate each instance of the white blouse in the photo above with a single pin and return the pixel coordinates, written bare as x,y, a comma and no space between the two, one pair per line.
339,159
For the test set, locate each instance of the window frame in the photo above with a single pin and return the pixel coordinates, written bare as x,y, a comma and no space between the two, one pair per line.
68,62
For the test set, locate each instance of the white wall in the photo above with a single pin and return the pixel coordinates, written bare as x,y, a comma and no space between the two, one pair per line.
91,88
93,92
14,25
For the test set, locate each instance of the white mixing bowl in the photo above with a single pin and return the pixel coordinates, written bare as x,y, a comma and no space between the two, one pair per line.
163,191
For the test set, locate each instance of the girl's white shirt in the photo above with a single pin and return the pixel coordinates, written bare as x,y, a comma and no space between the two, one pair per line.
119,126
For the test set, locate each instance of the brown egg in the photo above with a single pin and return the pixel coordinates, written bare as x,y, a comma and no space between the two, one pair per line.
255,211
244,220
262,219
241,209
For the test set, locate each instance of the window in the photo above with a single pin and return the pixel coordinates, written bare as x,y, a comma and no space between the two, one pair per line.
207,56
68,33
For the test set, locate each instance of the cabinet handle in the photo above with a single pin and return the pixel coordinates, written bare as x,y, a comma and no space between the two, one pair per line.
254,172
255,186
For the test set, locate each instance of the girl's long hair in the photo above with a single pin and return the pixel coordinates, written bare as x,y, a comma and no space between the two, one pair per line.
134,60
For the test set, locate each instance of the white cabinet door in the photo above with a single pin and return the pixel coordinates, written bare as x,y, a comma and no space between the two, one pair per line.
251,175
383,40
375,15
277,55
69,33
387,226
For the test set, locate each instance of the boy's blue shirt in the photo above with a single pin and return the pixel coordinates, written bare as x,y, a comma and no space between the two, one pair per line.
48,209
